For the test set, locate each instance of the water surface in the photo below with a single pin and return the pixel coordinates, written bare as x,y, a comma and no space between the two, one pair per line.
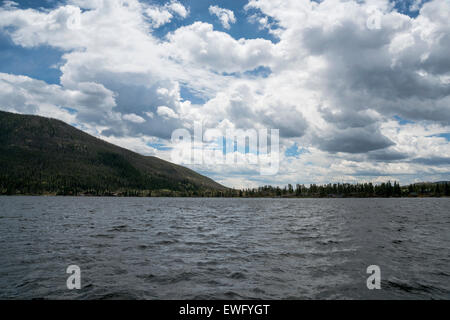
199,248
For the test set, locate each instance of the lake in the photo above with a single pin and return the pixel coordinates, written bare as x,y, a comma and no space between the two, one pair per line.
215,248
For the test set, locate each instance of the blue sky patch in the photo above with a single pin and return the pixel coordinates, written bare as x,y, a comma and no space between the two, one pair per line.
261,71
37,4
158,146
193,97
199,11
295,151
445,135
403,121
70,110
37,63
405,6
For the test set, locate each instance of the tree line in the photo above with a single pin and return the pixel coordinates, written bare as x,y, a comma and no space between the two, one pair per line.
342,190
60,185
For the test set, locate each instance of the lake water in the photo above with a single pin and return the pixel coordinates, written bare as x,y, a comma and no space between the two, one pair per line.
187,248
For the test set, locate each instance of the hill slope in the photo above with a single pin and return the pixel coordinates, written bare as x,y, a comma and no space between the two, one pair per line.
41,155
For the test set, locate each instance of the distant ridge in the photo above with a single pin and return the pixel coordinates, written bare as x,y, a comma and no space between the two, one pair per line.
46,156
437,182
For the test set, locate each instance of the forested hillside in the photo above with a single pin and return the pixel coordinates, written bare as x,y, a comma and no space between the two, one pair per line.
47,156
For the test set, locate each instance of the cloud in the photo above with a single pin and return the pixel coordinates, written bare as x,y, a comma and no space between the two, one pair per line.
436,161
27,95
133,118
98,64
200,44
166,112
386,155
334,87
353,140
178,8
399,64
160,15
225,16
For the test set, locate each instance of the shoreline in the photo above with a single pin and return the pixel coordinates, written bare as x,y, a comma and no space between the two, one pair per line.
209,197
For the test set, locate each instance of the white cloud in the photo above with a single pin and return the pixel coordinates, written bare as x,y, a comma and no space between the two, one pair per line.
333,84
415,5
10,4
200,44
178,8
166,112
160,15
24,94
133,118
226,16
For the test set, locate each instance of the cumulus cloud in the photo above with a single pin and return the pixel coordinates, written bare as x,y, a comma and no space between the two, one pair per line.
415,5
226,16
200,44
125,63
352,94
133,118
178,8
160,15
166,112
353,140
27,95
386,155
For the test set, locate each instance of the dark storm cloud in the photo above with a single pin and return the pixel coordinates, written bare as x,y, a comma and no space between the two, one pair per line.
366,72
353,140
386,155
347,118
433,161
290,122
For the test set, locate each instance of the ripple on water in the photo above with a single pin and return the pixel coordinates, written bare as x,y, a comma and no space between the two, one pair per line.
163,248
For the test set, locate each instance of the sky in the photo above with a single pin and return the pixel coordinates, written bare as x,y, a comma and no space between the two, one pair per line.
359,90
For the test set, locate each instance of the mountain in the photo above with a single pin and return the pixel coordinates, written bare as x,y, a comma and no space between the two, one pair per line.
46,156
